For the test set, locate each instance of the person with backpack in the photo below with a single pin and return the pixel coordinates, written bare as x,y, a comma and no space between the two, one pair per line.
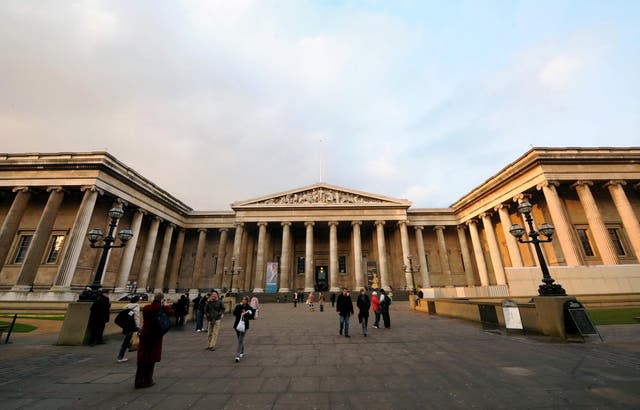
364,304
129,320
150,348
385,302
344,307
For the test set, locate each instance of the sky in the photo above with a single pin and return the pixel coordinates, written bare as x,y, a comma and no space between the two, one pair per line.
223,101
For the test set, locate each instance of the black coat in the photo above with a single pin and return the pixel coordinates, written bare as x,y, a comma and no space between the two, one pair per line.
364,304
344,305
248,315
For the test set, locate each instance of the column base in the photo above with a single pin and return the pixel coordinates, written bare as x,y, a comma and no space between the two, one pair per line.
141,290
21,288
284,290
58,288
258,290
337,289
309,290
156,291
121,290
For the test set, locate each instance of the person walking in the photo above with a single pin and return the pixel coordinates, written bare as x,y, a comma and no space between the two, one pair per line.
197,312
333,299
134,311
385,302
310,300
255,305
151,335
375,304
364,304
243,312
321,301
295,299
98,318
214,311
344,307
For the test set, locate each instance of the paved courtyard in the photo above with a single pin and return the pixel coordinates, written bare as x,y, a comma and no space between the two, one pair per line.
296,360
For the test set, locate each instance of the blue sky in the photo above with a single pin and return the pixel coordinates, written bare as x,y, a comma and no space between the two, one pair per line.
218,101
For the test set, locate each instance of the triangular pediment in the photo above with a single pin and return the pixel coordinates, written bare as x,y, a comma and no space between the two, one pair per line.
321,194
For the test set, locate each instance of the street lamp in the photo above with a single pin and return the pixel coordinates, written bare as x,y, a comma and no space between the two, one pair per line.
98,240
411,269
548,288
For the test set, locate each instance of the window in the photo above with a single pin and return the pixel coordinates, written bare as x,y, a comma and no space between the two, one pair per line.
342,264
300,265
584,240
55,246
23,246
617,242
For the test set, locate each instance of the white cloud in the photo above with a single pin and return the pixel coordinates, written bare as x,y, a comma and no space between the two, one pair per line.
559,71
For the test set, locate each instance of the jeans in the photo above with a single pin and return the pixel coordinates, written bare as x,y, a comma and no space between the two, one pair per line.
364,320
240,342
377,321
344,324
125,345
199,325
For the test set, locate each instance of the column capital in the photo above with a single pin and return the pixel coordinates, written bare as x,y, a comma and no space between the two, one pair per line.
54,188
403,222
637,186
581,182
309,223
122,202
333,223
141,211
202,230
501,206
238,224
172,225
418,227
286,223
156,218
439,228
471,221
461,227
223,230
182,230
376,223
545,184
92,188
356,223
21,189
520,197
486,214
619,182
262,223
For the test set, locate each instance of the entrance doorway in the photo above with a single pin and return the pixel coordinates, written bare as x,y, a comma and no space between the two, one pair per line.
322,281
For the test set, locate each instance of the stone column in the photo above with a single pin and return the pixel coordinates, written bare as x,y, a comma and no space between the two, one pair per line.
563,228
38,245
145,265
11,222
422,258
627,215
237,242
494,249
164,257
197,264
466,256
477,251
129,252
175,262
382,255
285,258
357,254
404,244
260,266
309,264
222,255
512,242
444,256
76,240
596,224
333,256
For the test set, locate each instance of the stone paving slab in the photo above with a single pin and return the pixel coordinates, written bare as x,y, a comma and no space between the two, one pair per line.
296,360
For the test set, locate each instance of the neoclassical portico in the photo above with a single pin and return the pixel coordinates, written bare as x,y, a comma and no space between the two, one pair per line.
322,236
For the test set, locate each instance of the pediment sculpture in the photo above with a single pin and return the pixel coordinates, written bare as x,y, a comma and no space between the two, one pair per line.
319,196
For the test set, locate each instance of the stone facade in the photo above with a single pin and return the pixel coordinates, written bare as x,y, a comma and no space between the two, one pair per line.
321,236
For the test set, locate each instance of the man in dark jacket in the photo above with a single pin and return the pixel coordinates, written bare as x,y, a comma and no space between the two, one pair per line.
364,304
98,317
344,307
214,311
385,301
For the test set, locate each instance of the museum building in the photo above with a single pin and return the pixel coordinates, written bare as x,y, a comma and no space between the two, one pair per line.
321,236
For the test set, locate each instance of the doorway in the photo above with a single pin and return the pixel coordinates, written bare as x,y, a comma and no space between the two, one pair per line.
322,281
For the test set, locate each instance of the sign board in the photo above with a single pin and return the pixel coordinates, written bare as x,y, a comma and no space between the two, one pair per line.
512,319
576,319
272,277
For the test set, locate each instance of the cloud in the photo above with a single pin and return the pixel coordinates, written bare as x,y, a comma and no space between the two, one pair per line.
559,71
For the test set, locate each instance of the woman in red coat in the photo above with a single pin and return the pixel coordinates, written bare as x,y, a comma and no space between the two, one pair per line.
375,305
150,348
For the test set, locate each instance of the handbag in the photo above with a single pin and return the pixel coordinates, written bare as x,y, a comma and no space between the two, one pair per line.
241,327
135,341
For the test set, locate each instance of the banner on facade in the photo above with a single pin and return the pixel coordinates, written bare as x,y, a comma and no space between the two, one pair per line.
272,277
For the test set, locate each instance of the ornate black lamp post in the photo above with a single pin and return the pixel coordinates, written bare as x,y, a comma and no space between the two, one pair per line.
98,240
548,288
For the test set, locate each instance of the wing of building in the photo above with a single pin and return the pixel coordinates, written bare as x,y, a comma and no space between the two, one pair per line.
321,236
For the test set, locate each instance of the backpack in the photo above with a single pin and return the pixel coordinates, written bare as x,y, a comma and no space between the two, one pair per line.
125,319
164,323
